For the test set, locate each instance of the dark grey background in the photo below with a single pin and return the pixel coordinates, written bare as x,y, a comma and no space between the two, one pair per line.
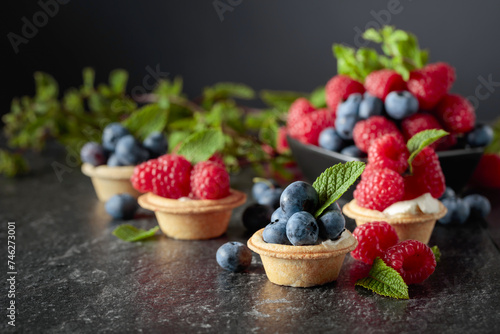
266,44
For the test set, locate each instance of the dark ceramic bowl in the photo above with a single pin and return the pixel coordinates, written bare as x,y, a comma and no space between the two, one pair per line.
458,165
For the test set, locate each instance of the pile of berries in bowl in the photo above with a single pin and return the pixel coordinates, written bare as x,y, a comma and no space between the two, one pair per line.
111,163
190,202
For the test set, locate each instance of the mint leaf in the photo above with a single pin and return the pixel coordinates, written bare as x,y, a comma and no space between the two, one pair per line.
130,233
148,119
318,97
437,253
422,139
384,281
334,181
201,145
356,64
494,146
280,99
118,80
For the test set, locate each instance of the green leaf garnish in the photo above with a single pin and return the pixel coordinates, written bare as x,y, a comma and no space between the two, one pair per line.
422,139
437,253
318,97
384,281
280,100
202,145
12,164
130,233
356,64
334,181
494,146
146,120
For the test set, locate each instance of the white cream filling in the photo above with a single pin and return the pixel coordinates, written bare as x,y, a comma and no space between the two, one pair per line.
422,204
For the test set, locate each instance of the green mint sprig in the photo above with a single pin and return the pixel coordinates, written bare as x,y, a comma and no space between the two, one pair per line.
401,50
384,281
437,253
335,181
421,140
201,145
130,233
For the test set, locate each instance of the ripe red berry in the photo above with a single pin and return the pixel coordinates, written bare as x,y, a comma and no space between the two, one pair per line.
428,87
143,176
427,174
171,178
218,159
209,181
339,88
374,238
389,151
456,113
281,142
486,173
369,170
298,109
382,82
445,71
308,128
379,190
366,131
412,259
421,121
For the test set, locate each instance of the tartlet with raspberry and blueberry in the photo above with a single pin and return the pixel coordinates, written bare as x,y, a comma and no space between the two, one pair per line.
190,202
389,192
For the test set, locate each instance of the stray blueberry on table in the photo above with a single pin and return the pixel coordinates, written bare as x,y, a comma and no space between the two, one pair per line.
481,136
479,205
302,229
448,193
93,153
121,206
234,256
256,216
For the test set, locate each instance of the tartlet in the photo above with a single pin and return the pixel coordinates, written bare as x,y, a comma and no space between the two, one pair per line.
110,181
193,219
303,266
408,226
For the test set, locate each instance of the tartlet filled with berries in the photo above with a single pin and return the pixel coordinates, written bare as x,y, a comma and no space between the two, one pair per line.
401,185
190,202
306,241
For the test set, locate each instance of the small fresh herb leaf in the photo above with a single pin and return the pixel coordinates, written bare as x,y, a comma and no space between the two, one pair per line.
334,181
422,139
280,100
12,164
384,281
200,146
437,253
318,97
148,119
118,80
130,233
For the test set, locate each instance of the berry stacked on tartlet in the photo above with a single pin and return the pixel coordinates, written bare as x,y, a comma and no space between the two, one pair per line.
305,243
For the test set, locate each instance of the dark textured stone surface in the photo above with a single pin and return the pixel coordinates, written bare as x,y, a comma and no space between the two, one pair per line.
75,276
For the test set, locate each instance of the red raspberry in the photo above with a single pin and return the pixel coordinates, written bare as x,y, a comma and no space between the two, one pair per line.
380,190
209,181
412,259
446,71
218,159
486,173
143,175
298,109
382,82
456,113
281,142
427,174
172,179
421,121
339,88
374,239
366,131
369,170
308,128
390,152
428,87
414,187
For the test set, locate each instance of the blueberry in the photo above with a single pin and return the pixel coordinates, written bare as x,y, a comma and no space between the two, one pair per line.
458,211
234,256
275,233
479,205
331,224
110,135
115,161
121,206
259,187
256,216
448,193
156,144
302,229
400,104
482,135
277,215
93,153
350,107
344,125
370,106
129,151
270,197
353,151
333,206
298,196
330,140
